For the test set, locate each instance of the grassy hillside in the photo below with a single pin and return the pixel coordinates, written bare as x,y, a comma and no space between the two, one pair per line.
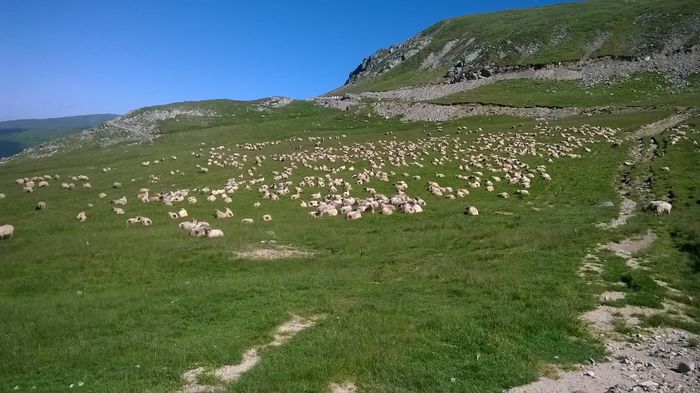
436,301
638,90
16,135
543,35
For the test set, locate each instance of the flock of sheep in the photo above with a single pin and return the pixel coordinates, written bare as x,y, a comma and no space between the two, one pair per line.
341,179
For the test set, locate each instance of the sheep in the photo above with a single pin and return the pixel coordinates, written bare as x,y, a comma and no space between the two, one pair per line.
116,184
522,193
173,215
211,198
2,196
182,213
267,217
504,195
43,183
101,195
213,233
659,207
191,200
471,211
40,206
247,221
81,217
256,204
118,211
6,231
353,215
120,202
218,214
145,221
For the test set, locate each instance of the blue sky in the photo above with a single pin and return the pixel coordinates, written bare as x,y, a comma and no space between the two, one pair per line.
71,57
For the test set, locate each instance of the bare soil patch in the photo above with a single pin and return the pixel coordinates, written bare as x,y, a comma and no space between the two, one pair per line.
272,252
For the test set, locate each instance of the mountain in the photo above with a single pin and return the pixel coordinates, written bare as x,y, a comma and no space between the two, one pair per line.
480,46
16,135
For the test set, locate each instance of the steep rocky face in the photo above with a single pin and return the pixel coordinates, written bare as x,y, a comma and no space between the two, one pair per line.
387,58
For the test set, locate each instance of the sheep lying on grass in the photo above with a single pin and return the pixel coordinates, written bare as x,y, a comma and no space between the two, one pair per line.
6,231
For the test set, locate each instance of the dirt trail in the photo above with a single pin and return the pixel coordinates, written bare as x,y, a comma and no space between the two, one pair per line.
660,126
639,154
230,373
650,364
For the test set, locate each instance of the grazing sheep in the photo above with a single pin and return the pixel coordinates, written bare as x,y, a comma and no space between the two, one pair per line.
218,214
120,202
211,198
353,215
659,207
267,217
102,195
118,211
471,211
182,213
256,204
81,217
173,215
522,193
504,195
6,231
40,206
191,200
2,196
116,184
247,221
145,221
133,220
212,233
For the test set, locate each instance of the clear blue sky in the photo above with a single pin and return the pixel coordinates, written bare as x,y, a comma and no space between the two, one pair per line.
71,57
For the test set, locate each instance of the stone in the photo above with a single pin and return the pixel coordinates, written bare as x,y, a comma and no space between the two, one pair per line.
685,367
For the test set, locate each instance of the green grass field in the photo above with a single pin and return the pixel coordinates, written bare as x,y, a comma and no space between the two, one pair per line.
639,90
436,301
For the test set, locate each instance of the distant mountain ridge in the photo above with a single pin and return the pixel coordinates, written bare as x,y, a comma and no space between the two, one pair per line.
86,121
16,135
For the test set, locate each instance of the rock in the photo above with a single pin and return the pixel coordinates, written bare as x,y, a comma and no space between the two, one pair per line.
685,367
589,374
605,204
648,384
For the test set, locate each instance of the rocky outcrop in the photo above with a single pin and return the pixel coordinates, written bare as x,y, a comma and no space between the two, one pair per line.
387,58
137,126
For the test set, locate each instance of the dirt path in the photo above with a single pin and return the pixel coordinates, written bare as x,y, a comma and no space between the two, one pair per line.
638,154
652,363
228,374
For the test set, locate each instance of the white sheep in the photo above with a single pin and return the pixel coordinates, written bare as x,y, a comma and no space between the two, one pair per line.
659,207
471,211
182,213
118,211
2,196
40,206
353,215
247,221
101,195
504,195
81,217
267,217
173,215
6,231
212,233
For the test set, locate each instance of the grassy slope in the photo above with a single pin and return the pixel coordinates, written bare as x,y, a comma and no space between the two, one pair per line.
634,28
411,301
640,90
